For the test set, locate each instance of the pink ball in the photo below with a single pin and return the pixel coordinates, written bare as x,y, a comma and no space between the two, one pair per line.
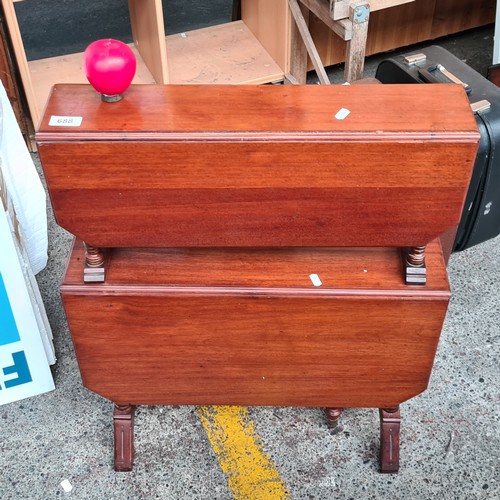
109,66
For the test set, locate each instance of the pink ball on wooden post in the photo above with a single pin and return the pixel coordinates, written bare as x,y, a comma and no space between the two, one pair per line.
109,66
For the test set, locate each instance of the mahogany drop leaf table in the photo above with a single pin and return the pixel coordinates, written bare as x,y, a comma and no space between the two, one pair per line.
257,245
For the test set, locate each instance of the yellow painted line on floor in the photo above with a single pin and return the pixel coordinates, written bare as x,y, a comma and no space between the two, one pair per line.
249,470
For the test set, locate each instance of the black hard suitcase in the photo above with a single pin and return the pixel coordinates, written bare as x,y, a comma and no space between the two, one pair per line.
481,216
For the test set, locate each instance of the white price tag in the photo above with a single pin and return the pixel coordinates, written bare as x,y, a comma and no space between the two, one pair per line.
315,279
342,114
65,121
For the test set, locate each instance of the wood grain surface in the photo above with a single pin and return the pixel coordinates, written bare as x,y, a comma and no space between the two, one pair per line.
249,327
274,269
197,166
162,112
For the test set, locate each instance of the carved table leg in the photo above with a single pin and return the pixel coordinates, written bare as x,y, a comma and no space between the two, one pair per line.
390,419
94,265
123,420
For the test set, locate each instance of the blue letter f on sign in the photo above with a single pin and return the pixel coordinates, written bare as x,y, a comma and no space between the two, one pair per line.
20,367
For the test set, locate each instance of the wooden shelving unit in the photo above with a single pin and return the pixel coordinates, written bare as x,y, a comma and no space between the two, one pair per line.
228,53
253,50
340,8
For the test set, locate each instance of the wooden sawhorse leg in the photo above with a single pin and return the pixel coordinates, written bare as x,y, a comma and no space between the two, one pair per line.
300,37
390,419
123,422
359,13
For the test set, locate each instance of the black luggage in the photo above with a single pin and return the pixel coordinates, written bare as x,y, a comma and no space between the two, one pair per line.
481,216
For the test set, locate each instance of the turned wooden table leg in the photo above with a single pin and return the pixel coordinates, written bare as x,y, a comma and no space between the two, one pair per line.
94,271
123,421
415,269
390,419
333,415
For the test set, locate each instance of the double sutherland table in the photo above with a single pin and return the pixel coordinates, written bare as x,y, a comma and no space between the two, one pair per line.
257,245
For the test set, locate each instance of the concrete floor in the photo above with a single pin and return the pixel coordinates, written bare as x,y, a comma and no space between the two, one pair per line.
450,442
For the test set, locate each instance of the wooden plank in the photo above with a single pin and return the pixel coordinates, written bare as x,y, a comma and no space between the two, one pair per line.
228,54
452,16
260,165
146,18
270,23
298,54
320,9
22,62
400,26
11,84
385,4
356,46
263,335
406,24
388,29
326,41
308,41
339,9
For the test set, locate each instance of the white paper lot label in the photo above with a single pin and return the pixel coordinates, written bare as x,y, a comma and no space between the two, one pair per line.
65,121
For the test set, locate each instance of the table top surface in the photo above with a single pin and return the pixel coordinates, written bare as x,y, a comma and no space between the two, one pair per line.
158,112
257,166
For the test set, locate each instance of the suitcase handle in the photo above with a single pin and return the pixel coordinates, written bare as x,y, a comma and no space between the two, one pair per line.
427,75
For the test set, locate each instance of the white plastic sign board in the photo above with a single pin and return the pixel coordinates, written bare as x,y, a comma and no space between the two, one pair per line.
24,369
24,186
